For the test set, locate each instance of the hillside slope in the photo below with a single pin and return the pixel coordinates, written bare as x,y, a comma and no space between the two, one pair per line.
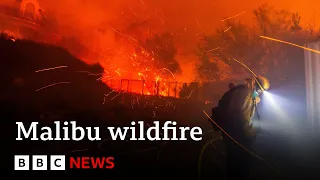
25,83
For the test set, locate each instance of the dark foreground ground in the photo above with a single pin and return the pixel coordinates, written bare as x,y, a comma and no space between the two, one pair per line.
293,151
295,157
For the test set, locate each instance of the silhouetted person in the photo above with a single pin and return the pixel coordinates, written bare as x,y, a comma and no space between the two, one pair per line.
233,114
214,110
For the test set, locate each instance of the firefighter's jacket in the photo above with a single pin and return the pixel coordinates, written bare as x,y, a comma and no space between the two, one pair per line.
235,110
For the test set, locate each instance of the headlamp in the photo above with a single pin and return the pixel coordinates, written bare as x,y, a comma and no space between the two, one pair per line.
255,94
261,83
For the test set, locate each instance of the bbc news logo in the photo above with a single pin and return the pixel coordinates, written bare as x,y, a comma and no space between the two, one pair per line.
60,162
39,162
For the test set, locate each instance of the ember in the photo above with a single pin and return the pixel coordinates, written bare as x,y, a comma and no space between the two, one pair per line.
144,67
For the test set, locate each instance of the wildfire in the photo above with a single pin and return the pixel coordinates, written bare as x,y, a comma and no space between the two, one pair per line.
141,76
130,68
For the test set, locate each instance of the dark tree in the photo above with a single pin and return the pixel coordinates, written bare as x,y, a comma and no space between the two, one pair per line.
296,18
189,91
162,49
243,42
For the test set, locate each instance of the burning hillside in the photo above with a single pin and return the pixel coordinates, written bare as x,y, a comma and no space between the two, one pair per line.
143,50
134,58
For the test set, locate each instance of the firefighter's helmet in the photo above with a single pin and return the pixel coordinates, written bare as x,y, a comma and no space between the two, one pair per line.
262,83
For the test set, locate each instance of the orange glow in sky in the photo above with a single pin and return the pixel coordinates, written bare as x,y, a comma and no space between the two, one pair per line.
97,21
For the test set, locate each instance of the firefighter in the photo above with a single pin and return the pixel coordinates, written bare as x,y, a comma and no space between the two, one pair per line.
234,113
214,110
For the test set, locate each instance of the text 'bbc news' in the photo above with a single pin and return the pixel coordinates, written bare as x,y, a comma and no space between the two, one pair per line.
60,162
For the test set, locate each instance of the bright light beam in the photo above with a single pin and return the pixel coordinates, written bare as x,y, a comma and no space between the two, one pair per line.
285,42
271,102
269,97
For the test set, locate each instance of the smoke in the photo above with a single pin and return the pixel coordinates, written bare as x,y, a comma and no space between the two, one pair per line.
107,27
86,20
103,25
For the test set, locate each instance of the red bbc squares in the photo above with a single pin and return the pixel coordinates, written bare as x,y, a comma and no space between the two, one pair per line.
58,162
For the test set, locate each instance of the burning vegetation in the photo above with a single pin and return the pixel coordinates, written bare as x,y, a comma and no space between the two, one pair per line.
147,66
139,56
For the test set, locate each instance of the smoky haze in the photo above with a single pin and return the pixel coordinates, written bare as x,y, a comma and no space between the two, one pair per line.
98,22
187,19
